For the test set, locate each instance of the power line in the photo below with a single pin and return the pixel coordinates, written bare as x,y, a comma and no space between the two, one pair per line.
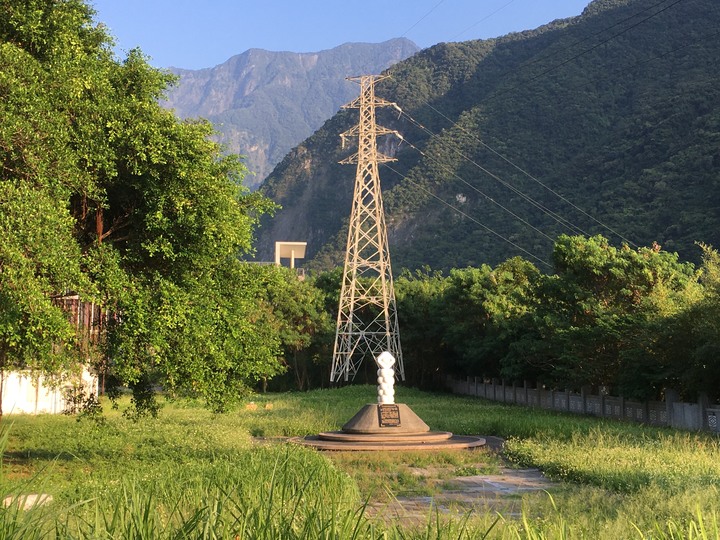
482,20
456,209
539,182
515,190
423,17
488,197
578,55
555,216
485,145
540,57
559,219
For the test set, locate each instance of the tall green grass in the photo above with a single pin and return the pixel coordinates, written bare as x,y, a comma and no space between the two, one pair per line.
671,461
284,495
235,491
192,474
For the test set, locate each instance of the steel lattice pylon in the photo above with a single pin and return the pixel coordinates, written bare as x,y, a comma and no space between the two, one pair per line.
367,315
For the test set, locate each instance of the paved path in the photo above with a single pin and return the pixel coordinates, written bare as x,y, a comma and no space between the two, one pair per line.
486,492
489,493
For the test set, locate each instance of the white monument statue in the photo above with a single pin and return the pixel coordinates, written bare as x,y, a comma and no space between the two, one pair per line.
386,378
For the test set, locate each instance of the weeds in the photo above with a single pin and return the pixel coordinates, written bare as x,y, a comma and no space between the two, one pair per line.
192,474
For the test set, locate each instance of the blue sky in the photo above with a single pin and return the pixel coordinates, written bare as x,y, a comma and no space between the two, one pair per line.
195,34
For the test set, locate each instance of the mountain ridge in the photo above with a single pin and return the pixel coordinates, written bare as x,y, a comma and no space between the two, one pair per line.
262,103
614,110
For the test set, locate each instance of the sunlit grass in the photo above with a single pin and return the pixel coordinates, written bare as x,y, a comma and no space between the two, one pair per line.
192,474
671,461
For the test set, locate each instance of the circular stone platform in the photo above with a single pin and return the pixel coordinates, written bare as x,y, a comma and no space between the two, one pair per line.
452,442
387,427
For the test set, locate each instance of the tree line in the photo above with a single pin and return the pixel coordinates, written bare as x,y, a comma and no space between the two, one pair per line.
629,321
633,322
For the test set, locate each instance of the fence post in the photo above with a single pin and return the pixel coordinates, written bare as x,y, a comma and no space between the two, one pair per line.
671,396
583,397
703,403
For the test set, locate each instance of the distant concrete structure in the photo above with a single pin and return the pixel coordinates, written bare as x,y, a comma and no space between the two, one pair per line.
289,250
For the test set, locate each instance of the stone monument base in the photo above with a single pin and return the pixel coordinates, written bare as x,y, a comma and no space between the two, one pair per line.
387,427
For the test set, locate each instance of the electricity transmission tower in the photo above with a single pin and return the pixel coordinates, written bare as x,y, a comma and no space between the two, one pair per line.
367,316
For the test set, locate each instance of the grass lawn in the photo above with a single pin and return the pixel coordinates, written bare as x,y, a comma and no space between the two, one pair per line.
192,474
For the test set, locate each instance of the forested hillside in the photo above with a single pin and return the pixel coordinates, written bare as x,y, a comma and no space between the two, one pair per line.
607,123
262,103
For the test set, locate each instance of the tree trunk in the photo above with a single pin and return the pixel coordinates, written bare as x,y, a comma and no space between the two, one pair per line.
99,225
302,380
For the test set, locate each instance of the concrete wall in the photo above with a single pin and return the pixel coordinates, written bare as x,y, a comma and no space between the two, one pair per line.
691,416
21,394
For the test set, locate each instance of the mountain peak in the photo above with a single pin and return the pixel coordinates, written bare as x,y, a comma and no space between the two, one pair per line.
262,103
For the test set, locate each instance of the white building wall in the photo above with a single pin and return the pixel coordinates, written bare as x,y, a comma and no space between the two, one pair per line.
21,395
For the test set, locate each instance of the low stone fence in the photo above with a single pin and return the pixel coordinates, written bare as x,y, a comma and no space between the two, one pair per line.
690,416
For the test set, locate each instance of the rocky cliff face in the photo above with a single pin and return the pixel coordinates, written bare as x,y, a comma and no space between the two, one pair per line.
264,103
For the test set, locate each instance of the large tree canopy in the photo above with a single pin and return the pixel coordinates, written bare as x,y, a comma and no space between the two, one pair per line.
635,321
107,195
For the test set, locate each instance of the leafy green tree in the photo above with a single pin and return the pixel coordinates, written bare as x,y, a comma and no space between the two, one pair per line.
596,320
37,260
479,306
420,296
39,255
462,323
108,195
690,350
303,324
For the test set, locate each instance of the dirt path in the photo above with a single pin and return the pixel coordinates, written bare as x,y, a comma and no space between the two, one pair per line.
491,493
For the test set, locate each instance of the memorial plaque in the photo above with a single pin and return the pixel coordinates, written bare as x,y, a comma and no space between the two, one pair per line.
389,415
